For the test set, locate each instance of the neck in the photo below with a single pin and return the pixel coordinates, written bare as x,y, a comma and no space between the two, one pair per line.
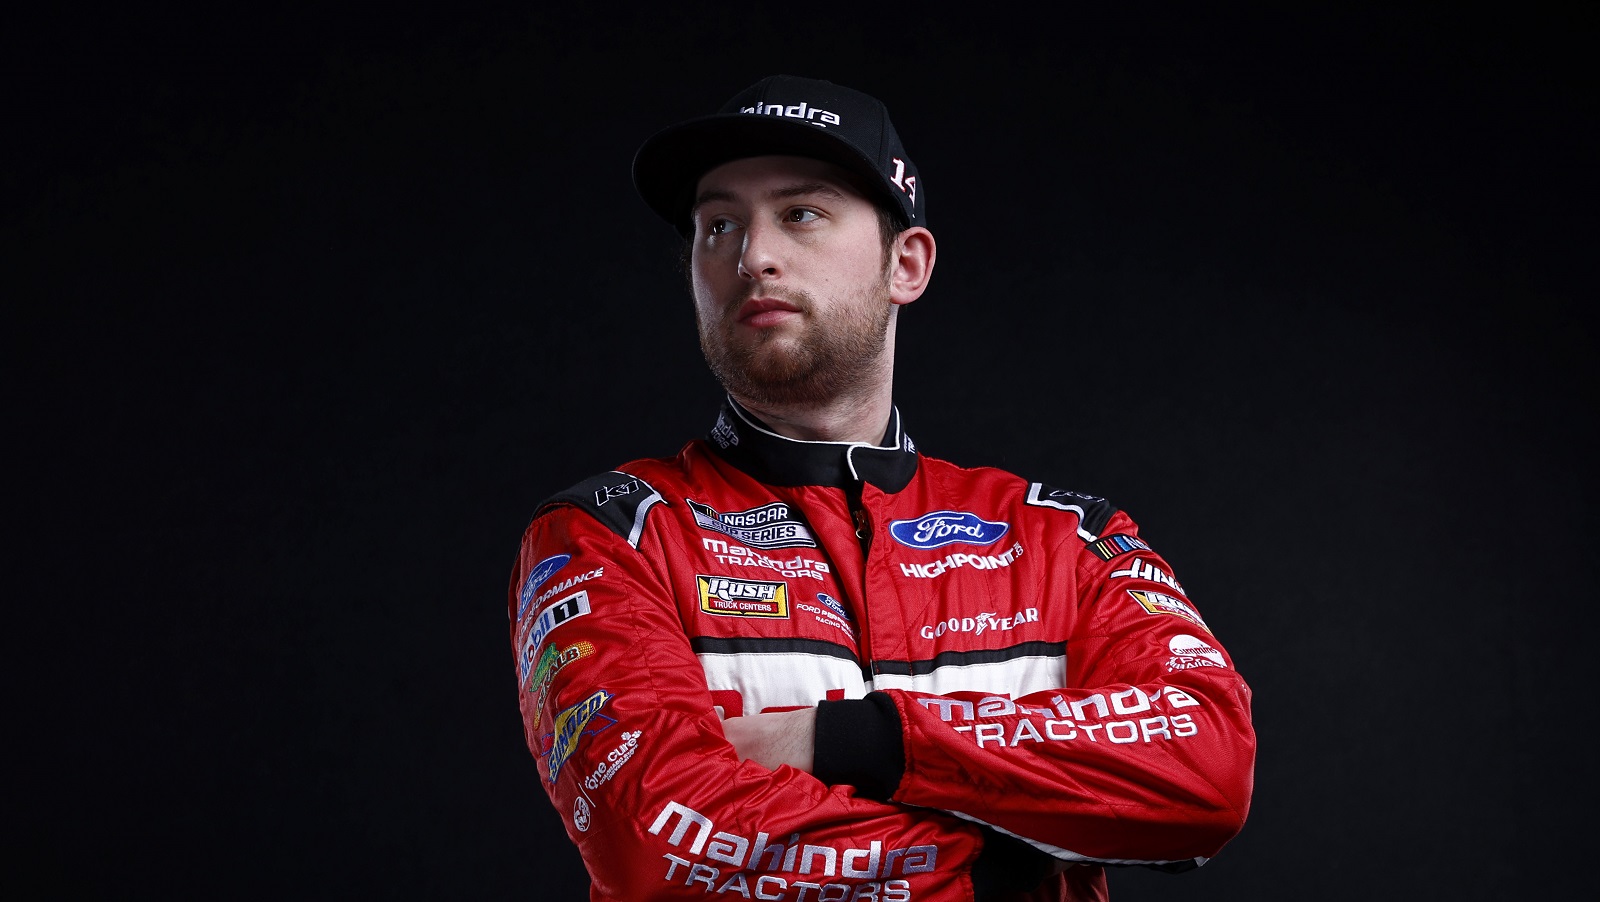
857,417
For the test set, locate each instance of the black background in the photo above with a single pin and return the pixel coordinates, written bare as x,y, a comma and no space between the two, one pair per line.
310,310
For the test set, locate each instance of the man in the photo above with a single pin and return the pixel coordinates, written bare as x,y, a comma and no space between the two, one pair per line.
801,660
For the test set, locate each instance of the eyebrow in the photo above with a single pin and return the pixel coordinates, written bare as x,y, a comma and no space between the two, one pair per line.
805,189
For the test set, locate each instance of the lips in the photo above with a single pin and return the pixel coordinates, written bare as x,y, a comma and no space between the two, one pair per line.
762,312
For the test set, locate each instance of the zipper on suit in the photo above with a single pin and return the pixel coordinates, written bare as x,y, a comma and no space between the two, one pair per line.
862,521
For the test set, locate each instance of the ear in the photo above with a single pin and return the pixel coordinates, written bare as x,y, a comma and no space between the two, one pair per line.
912,266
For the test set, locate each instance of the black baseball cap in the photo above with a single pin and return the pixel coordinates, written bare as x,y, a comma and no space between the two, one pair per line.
782,115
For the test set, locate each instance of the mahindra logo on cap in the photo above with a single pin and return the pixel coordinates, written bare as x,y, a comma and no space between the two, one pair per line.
942,528
801,110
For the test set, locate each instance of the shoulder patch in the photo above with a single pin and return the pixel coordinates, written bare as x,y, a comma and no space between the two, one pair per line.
1093,513
1113,545
619,500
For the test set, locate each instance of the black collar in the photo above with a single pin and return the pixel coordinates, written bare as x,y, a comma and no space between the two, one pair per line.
745,442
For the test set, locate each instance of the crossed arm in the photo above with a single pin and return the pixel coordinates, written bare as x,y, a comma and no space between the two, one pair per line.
1131,767
770,740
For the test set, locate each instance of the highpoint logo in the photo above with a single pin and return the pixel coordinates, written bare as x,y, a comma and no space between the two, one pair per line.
801,110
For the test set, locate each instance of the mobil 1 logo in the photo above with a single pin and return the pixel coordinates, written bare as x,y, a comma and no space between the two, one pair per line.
551,618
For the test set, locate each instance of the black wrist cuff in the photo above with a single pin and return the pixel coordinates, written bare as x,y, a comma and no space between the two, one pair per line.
859,744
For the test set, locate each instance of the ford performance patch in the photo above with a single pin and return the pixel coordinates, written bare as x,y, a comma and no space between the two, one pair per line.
537,577
743,597
942,528
833,605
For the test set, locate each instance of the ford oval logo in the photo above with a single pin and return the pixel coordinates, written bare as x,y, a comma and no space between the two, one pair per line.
541,572
942,528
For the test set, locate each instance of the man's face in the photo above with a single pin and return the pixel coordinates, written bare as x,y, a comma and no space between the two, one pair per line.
791,281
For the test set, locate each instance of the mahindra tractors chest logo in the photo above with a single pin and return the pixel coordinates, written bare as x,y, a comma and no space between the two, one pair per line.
942,528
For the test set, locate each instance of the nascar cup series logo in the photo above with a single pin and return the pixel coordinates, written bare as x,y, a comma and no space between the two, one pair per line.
743,597
942,528
768,526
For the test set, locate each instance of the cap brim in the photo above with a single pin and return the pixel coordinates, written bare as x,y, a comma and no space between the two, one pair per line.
669,164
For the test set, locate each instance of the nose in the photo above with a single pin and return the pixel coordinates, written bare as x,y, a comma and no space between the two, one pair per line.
757,257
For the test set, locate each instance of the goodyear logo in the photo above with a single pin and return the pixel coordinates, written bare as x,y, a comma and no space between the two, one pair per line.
574,723
743,597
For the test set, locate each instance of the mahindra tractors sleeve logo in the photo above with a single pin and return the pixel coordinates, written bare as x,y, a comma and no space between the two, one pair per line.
942,528
770,864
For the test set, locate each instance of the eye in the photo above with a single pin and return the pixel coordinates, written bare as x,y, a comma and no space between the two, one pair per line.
719,226
801,214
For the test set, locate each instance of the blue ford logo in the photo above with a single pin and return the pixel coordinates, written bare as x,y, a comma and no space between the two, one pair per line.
833,604
942,528
541,572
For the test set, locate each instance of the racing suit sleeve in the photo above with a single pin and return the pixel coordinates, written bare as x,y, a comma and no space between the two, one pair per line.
1144,756
631,752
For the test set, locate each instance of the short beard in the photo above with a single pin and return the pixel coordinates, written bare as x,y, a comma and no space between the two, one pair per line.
832,359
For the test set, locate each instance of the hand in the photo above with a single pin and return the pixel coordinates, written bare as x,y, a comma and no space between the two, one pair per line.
781,737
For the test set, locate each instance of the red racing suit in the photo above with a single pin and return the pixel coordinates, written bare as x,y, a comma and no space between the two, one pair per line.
1012,690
